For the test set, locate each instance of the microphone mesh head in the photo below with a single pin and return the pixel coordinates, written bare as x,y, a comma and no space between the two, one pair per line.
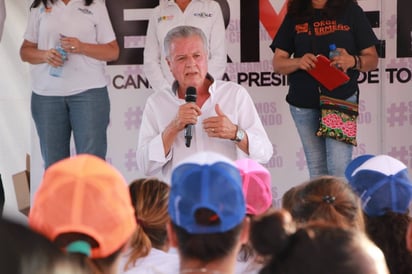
190,94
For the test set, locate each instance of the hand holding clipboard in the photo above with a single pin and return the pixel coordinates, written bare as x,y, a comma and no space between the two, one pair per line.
328,76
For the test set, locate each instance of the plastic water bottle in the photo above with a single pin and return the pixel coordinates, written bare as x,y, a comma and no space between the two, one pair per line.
333,51
58,71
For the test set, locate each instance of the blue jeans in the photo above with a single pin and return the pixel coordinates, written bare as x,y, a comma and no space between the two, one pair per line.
85,114
324,156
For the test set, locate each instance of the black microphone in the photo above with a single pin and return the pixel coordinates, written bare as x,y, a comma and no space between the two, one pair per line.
190,98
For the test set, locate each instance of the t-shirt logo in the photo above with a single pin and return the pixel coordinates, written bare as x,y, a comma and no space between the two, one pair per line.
325,27
86,11
165,18
302,28
202,14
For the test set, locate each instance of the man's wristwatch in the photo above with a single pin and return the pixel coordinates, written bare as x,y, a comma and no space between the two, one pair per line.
240,134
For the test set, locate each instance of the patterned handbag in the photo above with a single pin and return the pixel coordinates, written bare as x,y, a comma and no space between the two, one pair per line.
338,119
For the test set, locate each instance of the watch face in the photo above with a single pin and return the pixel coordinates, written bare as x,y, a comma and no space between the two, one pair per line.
239,135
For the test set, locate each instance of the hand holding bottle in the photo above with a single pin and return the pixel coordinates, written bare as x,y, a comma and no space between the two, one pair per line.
340,58
334,52
58,57
55,58
71,44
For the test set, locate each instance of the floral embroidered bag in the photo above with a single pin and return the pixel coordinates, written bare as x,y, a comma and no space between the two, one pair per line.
338,119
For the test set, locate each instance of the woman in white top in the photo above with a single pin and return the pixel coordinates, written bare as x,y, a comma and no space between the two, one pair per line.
148,252
204,14
77,38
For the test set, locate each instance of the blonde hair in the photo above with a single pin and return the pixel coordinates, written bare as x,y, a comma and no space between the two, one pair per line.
150,200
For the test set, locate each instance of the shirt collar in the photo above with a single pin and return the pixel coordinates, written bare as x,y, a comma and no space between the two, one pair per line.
212,88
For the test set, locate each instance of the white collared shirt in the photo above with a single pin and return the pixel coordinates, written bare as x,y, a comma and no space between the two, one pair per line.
204,14
161,108
90,24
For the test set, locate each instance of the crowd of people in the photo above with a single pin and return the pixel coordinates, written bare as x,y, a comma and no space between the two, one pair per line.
216,216
210,210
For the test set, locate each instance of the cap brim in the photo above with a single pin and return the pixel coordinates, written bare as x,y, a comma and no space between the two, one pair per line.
355,163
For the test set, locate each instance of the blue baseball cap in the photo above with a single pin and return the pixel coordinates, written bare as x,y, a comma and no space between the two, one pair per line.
206,180
382,182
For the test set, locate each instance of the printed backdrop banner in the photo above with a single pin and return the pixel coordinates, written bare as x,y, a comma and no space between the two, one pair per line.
385,120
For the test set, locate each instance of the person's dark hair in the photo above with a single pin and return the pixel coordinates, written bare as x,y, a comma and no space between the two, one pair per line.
24,251
303,10
36,3
150,199
330,199
276,223
388,232
317,247
206,247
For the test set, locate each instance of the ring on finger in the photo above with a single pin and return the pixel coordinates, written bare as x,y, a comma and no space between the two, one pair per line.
72,47
213,130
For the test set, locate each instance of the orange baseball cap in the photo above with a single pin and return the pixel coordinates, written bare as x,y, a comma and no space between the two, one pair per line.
84,194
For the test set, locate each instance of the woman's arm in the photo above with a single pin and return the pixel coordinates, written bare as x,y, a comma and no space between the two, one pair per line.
283,64
102,52
368,59
30,53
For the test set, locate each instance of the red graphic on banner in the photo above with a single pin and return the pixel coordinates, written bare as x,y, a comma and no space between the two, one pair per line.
270,19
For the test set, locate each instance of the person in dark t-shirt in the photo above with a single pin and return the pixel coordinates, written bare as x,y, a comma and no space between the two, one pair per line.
306,31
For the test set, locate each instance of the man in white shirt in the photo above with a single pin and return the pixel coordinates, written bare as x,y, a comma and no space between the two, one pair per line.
204,14
224,117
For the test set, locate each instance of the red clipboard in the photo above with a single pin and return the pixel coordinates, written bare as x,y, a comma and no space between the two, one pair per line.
328,76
